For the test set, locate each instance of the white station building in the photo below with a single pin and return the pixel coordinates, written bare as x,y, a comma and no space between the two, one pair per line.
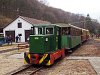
21,26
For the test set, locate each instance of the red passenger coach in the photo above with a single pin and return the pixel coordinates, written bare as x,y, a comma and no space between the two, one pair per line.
85,35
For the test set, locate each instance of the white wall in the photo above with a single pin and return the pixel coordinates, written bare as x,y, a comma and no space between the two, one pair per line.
14,26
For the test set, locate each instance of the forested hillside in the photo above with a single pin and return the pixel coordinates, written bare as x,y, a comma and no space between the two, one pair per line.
10,9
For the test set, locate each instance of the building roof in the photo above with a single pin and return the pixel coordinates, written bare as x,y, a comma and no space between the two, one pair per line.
29,20
34,21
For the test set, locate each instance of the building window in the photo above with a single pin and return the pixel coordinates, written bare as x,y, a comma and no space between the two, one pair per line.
19,25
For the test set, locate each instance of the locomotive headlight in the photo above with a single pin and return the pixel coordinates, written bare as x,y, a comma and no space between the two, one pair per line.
46,39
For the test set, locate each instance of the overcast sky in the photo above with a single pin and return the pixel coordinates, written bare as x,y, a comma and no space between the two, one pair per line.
91,7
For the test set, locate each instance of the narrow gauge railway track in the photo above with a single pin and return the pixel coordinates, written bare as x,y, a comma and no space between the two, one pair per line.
8,50
18,47
26,70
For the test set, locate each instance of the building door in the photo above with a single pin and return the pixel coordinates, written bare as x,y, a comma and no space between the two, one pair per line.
10,33
27,34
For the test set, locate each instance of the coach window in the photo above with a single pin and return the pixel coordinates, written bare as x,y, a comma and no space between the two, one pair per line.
67,31
63,32
49,30
76,32
72,31
20,25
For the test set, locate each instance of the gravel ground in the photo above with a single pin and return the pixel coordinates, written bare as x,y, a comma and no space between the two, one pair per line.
5,47
62,67
9,64
69,67
90,48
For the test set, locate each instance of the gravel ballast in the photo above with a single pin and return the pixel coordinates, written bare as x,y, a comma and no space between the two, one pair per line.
69,67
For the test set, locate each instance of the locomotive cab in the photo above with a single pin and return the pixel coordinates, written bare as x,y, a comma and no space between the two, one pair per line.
43,39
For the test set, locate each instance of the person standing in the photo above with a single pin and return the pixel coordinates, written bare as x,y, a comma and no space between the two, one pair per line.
17,39
10,39
6,39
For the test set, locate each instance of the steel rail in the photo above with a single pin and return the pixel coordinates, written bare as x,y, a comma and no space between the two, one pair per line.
8,50
22,68
36,70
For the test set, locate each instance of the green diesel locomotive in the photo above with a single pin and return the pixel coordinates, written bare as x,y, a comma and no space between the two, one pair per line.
48,42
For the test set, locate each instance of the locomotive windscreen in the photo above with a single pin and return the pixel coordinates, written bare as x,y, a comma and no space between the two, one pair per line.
36,30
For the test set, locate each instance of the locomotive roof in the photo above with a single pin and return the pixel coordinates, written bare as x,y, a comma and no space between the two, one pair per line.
43,24
60,25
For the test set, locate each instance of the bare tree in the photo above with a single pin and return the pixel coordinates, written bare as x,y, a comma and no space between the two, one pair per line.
45,2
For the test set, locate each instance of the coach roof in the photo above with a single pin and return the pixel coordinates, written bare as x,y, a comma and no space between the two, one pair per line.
67,25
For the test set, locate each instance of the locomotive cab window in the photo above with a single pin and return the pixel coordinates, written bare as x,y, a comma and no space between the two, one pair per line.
37,30
49,30
40,30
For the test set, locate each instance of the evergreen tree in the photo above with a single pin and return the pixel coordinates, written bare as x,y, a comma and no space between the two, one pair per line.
88,24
